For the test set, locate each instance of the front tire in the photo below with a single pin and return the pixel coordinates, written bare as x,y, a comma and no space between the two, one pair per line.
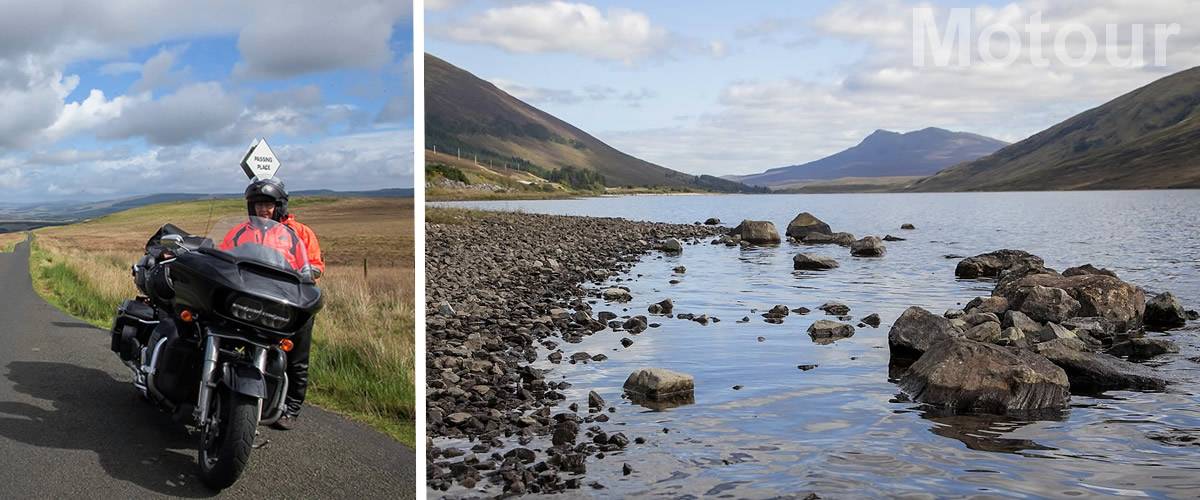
225,443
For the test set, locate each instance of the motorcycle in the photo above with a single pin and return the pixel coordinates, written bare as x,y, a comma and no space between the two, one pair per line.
207,339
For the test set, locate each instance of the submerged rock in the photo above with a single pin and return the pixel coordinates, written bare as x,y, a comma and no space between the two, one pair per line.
1087,269
835,308
617,294
907,226
825,329
872,320
672,245
1164,312
659,383
758,232
806,223
809,261
843,239
989,265
965,375
869,246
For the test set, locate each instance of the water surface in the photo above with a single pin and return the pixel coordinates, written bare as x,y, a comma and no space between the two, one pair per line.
842,429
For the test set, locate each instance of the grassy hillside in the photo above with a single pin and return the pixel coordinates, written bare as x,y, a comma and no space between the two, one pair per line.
469,116
363,340
1148,138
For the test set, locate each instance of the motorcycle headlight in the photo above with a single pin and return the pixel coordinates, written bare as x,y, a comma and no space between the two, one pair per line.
265,313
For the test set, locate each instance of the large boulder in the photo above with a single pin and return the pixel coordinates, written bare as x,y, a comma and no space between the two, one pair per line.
1164,312
758,232
659,384
991,304
916,331
1052,331
813,262
870,246
1020,320
1097,328
1049,304
987,332
1098,295
1093,373
970,376
806,223
990,264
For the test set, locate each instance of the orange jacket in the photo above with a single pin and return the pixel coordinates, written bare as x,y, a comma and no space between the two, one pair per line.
278,237
310,242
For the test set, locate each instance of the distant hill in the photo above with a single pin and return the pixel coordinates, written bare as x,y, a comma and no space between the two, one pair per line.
466,114
884,154
42,214
1148,138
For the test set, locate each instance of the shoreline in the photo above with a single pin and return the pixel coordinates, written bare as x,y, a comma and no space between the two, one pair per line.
501,285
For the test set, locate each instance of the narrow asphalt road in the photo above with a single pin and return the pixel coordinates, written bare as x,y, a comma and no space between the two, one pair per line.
71,425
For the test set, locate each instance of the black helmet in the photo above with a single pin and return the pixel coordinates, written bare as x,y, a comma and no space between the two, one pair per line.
267,190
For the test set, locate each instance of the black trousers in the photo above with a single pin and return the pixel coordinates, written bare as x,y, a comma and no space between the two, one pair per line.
297,369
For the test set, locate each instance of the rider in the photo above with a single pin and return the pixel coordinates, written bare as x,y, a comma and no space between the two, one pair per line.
267,199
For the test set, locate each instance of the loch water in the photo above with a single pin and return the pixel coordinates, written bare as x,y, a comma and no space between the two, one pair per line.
843,429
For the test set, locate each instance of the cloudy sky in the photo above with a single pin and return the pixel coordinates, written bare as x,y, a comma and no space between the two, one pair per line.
102,100
738,87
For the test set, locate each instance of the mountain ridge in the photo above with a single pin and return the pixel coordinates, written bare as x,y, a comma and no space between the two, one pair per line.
884,153
466,113
1144,139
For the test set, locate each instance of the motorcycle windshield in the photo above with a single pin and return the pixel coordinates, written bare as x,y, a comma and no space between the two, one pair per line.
263,241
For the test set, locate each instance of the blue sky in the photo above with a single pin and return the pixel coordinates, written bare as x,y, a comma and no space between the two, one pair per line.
738,87
109,100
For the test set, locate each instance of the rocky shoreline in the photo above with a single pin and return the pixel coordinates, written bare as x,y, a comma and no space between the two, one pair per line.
499,286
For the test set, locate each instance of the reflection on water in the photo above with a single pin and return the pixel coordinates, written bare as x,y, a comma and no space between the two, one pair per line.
841,429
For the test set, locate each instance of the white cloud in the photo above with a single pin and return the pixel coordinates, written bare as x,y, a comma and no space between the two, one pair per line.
591,93
157,71
374,160
193,112
762,124
618,35
289,40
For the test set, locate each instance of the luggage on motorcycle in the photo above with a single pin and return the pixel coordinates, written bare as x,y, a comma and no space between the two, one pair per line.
131,328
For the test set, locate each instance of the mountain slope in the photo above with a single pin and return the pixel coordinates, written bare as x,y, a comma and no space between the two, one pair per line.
466,114
1148,138
885,154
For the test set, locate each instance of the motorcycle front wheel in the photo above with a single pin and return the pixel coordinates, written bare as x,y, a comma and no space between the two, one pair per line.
225,443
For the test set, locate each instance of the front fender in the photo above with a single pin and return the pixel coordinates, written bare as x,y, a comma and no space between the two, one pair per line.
244,379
